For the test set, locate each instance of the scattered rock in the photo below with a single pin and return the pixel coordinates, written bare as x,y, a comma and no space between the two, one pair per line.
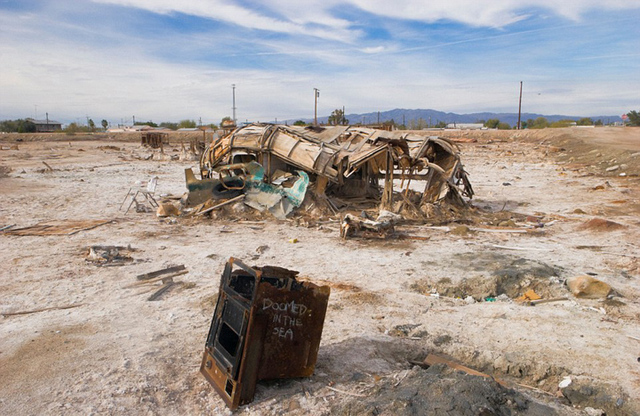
590,411
403,330
588,287
585,391
566,382
442,340
294,405
612,168
508,223
461,230
166,209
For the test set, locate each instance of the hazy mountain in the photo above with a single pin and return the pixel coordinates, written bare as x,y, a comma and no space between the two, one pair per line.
399,115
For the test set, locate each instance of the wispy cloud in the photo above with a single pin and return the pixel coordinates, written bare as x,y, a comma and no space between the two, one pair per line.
170,60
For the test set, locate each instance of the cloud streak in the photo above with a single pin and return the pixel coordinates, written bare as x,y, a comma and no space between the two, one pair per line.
166,60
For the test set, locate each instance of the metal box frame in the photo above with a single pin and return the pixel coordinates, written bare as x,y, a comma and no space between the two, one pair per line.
266,325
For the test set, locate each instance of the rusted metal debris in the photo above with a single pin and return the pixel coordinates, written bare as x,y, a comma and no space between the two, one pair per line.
154,139
346,162
109,255
382,227
266,325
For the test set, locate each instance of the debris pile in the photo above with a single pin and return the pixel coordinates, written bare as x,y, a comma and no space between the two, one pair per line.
274,167
109,255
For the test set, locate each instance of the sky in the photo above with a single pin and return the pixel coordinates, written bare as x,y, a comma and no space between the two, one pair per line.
168,60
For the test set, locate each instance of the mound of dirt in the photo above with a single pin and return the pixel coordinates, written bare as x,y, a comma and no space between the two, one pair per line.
442,391
509,275
600,224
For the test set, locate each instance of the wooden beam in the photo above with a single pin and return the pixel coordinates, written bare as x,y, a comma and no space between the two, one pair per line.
436,359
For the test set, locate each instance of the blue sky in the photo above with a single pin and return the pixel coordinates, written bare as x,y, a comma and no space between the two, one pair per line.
167,60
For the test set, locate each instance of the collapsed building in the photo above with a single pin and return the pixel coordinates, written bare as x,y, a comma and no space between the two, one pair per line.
274,164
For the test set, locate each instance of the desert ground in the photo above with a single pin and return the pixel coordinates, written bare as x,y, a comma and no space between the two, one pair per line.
79,337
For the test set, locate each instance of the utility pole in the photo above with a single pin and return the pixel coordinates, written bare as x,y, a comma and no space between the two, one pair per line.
316,94
378,118
134,120
520,106
233,87
344,119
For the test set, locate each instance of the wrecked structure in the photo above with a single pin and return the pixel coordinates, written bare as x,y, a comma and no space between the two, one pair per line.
266,325
337,163
154,139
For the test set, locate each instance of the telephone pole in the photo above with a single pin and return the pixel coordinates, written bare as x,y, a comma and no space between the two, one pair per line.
520,106
233,86
316,94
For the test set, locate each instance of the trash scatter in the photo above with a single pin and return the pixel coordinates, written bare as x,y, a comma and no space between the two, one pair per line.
109,255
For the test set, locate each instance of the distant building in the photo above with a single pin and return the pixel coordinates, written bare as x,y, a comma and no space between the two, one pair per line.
43,126
465,126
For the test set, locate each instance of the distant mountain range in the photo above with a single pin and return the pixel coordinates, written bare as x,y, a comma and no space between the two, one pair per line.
433,117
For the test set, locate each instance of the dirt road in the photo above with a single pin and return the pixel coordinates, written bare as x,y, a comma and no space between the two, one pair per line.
392,302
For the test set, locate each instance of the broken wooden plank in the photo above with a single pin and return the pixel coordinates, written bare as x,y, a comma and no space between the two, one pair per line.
539,301
160,291
348,393
90,227
168,270
6,227
62,227
53,308
500,230
163,279
521,248
436,359
47,165
227,202
414,237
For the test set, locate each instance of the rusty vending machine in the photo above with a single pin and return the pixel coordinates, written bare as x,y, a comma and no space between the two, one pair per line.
266,325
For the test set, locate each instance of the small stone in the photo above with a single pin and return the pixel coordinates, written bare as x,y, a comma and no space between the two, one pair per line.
460,230
590,411
566,382
503,298
469,300
294,405
167,209
588,287
612,168
239,207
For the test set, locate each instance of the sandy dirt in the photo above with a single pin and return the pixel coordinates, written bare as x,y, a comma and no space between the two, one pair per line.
392,301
